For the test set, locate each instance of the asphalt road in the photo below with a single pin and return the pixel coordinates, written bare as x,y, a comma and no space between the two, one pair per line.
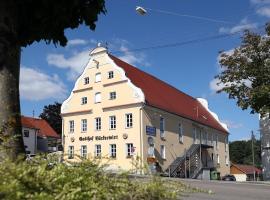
223,190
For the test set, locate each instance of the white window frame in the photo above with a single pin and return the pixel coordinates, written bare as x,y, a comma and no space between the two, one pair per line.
98,77
162,127
98,123
70,152
129,120
227,160
112,122
180,133
163,151
97,97
71,126
98,150
84,100
83,125
112,95
113,150
218,159
86,80
84,151
110,74
129,149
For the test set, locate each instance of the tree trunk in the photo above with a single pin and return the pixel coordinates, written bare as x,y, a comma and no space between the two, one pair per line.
10,120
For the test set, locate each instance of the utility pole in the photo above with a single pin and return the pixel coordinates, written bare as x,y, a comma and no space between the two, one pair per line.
252,148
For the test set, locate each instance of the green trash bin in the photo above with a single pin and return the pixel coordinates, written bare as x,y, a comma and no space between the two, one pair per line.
215,175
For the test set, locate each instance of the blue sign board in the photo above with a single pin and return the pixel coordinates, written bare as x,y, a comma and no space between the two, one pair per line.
150,130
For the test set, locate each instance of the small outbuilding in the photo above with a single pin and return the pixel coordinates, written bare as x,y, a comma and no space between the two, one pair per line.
245,172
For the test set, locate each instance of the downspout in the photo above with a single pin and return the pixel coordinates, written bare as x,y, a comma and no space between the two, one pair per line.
141,138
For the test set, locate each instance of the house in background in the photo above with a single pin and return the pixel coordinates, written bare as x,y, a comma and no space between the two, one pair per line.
245,172
265,146
38,136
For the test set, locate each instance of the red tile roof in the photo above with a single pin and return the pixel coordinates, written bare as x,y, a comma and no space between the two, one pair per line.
247,169
45,130
166,97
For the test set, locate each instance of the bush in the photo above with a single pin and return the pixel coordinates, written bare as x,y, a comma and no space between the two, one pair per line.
43,179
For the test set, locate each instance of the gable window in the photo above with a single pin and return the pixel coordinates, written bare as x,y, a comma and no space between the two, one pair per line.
110,75
98,77
129,120
112,95
162,127
26,133
71,126
130,149
98,123
112,122
84,151
180,133
98,97
113,150
86,80
97,150
84,100
162,151
70,152
84,125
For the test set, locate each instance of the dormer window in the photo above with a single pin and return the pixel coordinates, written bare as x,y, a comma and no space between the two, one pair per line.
98,77
110,74
86,80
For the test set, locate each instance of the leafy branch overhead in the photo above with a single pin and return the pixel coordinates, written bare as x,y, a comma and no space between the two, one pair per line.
245,72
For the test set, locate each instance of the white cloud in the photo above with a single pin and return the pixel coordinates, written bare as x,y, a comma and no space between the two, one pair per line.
75,42
214,85
35,85
232,125
243,25
264,11
260,1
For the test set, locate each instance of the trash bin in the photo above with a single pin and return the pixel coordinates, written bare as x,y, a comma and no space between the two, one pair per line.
215,175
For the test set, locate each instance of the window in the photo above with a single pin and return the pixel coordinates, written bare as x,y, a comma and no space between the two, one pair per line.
83,125
180,132
161,127
129,121
199,137
212,139
162,151
98,123
97,97
71,126
25,133
70,152
98,77
112,95
112,122
84,151
216,141
113,150
226,160
218,161
97,150
226,143
194,135
130,149
206,139
110,75
84,100
86,80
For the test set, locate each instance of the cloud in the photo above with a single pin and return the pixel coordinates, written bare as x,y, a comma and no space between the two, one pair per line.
35,85
243,25
232,125
75,42
214,85
260,1
264,11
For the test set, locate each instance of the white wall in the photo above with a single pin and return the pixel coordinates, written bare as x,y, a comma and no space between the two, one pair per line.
30,142
240,177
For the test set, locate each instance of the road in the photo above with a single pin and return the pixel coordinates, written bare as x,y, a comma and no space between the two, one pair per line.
223,190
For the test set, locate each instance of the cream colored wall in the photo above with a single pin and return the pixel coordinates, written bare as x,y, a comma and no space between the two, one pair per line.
240,177
128,100
151,117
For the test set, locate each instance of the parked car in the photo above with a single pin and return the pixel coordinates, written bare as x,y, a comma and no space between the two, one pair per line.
228,177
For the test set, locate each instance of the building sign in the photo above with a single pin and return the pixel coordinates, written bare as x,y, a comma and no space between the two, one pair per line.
97,138
150,130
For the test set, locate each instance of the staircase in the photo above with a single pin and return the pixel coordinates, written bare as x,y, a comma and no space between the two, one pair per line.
188,165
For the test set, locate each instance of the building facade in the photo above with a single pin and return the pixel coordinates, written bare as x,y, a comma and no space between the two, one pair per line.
265,146
120,112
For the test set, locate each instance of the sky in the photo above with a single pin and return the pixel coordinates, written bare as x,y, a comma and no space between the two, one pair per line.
48,72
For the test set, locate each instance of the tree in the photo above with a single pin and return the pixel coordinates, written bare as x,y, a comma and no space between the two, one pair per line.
23,22
246,72
51,113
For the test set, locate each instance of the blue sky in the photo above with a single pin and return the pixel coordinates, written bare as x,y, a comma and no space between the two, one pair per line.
48,73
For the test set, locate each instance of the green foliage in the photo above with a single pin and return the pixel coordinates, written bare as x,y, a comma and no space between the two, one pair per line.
41,178
241,152
51,113
246,72
47,19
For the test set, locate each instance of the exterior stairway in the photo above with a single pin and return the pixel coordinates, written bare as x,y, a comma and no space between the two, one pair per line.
188,165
